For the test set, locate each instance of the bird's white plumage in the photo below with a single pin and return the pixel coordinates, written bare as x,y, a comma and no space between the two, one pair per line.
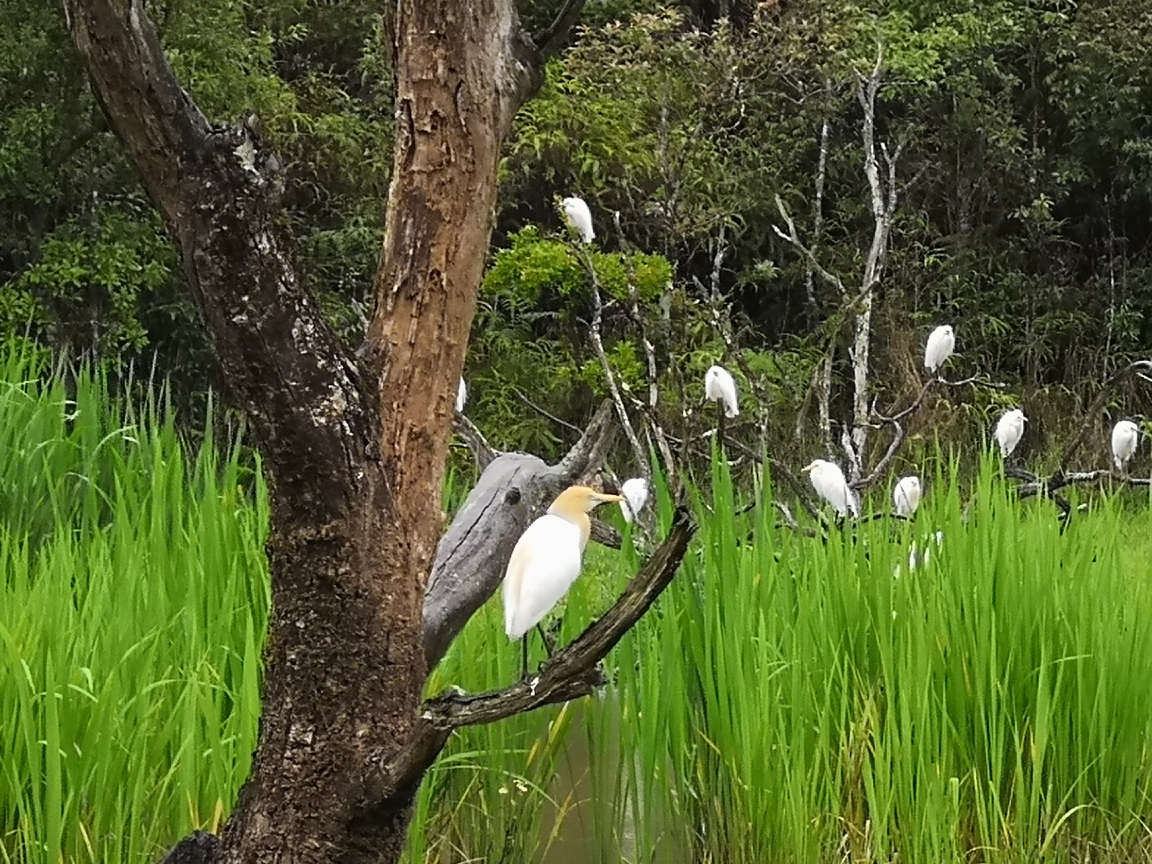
906,495
941,344
543,566
461,396
1009,431
828,481
635,492
1125,440
580,216
719,387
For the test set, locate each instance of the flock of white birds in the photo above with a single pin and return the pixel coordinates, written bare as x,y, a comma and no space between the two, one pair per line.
548,557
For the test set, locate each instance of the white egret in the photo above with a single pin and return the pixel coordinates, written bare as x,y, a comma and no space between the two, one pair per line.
547,559
1009,431
461,396
635,492
906,495
829,483
719,387
580,216
941,344
1125,440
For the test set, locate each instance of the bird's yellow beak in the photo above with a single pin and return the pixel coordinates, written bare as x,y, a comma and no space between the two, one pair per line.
808,467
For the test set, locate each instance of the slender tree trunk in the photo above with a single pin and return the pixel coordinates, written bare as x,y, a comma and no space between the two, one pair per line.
883,199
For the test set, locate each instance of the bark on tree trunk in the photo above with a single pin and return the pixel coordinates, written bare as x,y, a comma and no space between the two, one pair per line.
354,447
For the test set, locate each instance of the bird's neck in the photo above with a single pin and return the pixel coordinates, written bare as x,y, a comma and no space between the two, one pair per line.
580,520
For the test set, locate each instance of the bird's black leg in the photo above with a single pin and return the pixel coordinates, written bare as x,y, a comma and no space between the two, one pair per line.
524,655
549,644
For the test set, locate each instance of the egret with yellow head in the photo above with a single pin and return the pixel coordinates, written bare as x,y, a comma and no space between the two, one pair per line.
547,559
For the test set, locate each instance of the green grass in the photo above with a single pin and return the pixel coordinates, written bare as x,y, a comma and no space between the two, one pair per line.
787,700
133,602
791,700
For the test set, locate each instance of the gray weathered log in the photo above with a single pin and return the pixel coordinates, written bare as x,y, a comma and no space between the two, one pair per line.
514,489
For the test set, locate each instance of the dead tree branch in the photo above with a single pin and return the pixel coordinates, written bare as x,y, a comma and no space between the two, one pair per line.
598,347
481,450
641,322
570,673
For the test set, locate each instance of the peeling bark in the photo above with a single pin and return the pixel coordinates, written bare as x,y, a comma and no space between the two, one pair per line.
354,446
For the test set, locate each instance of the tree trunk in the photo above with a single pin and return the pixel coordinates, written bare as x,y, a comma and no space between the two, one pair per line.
354,447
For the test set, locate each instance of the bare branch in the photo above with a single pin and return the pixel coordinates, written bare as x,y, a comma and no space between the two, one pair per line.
568,674
641,323
474,438
559,421
598,347
794,238
818,204
549,42
589,453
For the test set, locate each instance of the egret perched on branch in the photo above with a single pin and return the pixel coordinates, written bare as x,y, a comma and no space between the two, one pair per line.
461,396
719,387
906,495
635,492
941,344
1125,440
580,217
829,483
1009,431
547,559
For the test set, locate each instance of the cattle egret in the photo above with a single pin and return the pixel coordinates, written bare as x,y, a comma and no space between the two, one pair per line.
1125,440
1009,431
547,559
580,217
461,396
635,493
829,483
719,387
940,346
906,495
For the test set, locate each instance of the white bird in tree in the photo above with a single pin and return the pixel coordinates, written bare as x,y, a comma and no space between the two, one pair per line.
1009,431
906,495
719,387
1125,440
461,396
635,492
941,344
547,559
829,483
580,217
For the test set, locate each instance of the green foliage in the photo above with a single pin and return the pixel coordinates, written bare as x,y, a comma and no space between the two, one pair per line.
531,334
